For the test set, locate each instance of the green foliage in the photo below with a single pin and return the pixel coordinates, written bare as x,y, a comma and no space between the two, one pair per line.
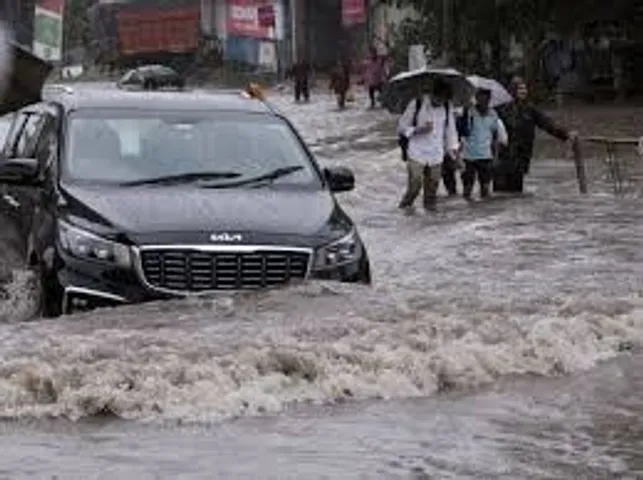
479,24
424,31
75,23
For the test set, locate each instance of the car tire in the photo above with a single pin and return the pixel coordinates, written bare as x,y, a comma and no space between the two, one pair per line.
365,271
51,294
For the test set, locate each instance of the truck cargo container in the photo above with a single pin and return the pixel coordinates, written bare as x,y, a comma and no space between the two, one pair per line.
148,32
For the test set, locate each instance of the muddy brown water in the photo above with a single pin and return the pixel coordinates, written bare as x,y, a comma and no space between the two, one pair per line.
500,340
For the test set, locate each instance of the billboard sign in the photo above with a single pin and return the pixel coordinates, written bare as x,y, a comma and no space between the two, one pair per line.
266,15
244,18
353,12
48,29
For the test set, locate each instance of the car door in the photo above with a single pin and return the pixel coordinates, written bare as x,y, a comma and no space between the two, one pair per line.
12,237
42,216
21,142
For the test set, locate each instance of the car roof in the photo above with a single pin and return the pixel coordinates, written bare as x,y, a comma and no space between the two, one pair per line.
71,98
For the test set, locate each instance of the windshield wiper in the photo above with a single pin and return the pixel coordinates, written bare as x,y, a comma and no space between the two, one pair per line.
266,177
181,178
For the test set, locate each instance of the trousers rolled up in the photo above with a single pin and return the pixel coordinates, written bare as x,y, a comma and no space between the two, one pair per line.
421,178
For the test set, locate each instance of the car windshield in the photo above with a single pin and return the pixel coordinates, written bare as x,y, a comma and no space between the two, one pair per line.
134,147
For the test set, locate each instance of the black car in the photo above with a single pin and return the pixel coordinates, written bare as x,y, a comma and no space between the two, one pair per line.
151,77
130,196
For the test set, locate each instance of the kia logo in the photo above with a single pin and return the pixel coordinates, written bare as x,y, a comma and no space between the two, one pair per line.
226,237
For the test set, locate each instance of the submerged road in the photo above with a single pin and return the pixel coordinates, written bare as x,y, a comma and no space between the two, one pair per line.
500,340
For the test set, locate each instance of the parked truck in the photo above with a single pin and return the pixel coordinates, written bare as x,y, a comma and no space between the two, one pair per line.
141,32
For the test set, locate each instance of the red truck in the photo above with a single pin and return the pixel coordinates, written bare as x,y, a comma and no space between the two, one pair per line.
147,32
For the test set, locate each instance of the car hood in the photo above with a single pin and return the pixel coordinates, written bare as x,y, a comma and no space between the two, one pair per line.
154,210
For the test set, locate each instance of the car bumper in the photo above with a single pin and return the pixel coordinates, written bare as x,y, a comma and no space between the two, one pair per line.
88,285
357,272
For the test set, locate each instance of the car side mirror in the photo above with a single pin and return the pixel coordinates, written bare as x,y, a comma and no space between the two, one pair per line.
340,179
19,171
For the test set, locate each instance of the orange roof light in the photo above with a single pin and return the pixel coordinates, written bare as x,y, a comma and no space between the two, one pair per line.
254,90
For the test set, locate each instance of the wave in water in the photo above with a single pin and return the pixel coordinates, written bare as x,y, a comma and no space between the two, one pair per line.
207,360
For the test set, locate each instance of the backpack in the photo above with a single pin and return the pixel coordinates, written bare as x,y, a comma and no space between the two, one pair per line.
403,141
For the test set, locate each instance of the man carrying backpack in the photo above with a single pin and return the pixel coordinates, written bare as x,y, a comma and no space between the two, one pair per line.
426,132
482,131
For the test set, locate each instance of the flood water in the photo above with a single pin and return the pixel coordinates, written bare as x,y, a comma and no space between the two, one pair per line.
500,340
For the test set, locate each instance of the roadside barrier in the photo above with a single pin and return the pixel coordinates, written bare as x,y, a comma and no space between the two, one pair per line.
609,160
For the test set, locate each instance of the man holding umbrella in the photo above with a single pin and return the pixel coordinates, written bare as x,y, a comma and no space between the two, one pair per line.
521,119
427,129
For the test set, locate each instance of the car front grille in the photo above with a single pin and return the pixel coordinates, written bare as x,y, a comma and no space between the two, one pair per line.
193,270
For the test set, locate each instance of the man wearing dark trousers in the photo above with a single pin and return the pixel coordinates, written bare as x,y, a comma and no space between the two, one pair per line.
449,165
521,119
481,132
300,73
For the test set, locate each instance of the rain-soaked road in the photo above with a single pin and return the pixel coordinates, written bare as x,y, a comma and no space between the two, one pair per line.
500,341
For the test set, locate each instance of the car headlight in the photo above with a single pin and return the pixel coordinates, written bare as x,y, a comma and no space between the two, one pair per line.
340,252
83,244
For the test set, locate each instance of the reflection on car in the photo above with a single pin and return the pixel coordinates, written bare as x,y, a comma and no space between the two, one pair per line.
133,196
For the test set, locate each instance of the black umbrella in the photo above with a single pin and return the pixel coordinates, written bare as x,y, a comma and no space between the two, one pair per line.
26,79
402,88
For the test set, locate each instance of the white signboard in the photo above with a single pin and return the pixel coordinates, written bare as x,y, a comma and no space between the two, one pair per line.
417,57
268,55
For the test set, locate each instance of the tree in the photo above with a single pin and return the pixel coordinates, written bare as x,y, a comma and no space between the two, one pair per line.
76,32
481,23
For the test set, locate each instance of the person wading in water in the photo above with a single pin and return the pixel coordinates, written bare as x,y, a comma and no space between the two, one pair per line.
521,119
481,132
427,131
340,81
300,73
374,75
450,165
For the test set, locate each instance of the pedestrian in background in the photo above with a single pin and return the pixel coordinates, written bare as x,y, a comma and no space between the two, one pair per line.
300,73
340,81
374,75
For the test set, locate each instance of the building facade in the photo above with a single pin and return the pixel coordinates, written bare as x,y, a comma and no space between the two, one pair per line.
19,15
315,30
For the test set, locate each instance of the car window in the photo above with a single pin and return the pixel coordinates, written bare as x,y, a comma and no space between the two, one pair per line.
133,77
28,138
14,132
46,148
5,127
124,147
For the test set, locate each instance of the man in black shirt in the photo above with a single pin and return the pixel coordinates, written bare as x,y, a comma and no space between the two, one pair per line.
521,119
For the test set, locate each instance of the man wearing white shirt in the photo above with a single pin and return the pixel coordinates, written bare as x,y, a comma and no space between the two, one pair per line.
429,129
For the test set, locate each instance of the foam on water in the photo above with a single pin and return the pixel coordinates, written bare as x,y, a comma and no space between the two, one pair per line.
545,285
243,356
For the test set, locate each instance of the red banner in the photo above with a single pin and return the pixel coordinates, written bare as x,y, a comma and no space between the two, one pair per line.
266,15
57,6
243,18
353,12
